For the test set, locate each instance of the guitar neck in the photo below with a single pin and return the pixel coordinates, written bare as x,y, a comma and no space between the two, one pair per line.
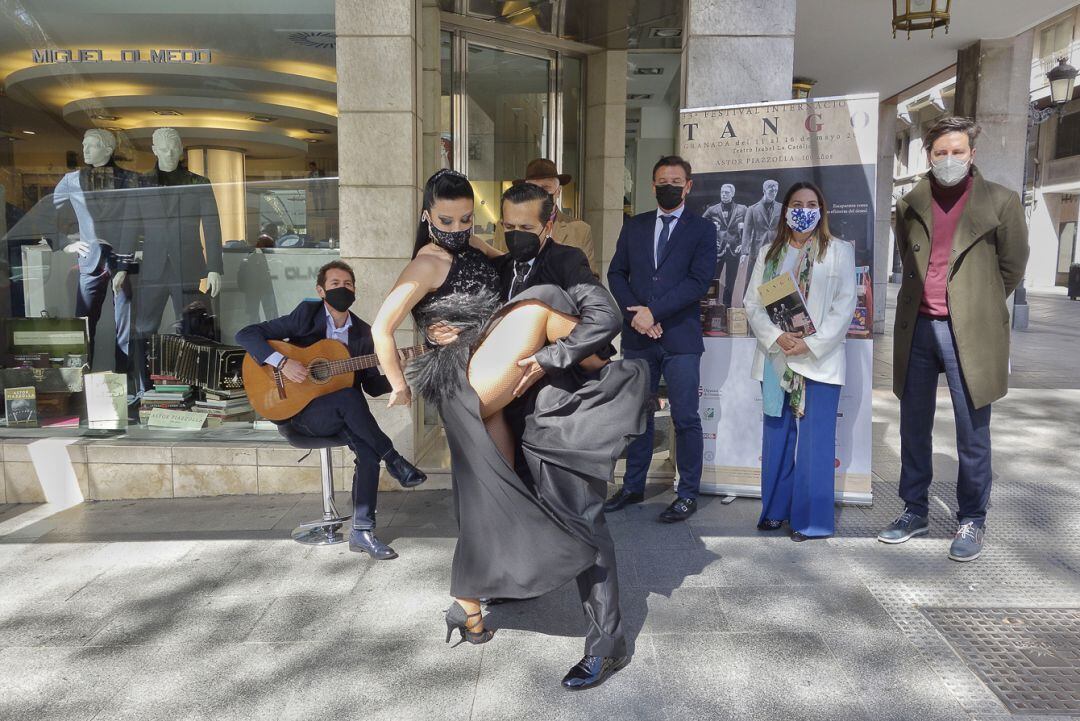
363,362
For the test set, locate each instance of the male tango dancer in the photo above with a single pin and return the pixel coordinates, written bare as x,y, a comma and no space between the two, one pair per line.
535,258
344,411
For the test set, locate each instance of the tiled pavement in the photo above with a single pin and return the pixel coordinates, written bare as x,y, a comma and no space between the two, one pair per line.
203,608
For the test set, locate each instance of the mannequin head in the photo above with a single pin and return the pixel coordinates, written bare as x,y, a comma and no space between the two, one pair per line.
167,148
98,146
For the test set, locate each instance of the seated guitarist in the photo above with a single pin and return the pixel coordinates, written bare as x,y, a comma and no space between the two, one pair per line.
344,411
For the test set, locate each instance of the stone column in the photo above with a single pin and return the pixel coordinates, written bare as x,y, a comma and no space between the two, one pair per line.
993,79
430,105
605,138
883,245
379,152
735,51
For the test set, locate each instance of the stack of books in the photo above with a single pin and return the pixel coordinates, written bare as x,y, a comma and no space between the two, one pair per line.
166,393
224,406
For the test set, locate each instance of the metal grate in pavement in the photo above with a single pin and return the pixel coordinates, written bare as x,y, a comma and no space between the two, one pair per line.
1029,657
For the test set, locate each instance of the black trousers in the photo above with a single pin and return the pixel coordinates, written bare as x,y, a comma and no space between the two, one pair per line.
346,411
150,300
581,498
729,267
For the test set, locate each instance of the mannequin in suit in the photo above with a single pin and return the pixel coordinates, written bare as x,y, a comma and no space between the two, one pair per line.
96,195
172,205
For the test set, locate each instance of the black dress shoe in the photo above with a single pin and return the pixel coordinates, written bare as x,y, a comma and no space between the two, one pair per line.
366,542
679,510
592,671
622,499
408,475
769,525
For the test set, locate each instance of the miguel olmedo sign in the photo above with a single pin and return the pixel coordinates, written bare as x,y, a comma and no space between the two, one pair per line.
189,56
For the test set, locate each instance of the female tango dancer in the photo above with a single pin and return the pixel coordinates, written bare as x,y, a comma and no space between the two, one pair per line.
510,544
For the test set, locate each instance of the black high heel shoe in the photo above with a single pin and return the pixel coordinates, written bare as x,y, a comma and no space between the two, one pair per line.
457,619
769,524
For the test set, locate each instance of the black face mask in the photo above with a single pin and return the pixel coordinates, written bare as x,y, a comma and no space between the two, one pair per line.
669,197
452,241
340,298
523,245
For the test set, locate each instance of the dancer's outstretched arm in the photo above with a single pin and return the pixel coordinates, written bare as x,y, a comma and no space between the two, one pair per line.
418,279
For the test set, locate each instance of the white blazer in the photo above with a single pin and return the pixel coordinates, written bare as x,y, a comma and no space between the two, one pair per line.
831,305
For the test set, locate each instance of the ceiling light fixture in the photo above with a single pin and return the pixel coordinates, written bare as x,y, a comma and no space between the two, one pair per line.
262,118
639,96
665,33
648,71
318,131
109,118
29,132
169,113
917,15
312,141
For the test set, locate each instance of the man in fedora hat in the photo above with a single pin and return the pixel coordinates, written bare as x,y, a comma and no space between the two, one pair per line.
567,231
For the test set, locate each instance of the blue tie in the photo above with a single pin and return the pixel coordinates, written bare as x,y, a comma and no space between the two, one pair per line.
665,233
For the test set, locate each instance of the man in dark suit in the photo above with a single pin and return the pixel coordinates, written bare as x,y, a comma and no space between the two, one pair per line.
344,411
664,261
728,217
535,258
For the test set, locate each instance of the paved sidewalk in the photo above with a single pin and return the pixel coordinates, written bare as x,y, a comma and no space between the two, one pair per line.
204,609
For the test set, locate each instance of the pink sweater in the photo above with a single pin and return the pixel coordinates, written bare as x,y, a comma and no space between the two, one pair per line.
948,206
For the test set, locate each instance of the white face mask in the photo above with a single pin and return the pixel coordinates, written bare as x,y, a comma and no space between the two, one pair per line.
950,171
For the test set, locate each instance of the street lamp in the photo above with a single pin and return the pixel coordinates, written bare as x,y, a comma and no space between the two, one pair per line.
801,87
1062,79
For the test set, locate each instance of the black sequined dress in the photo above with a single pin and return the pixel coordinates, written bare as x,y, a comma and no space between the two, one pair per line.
512,544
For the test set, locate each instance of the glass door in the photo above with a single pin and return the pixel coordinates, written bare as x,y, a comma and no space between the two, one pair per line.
508,121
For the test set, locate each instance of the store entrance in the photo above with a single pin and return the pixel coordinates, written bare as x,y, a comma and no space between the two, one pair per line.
502,105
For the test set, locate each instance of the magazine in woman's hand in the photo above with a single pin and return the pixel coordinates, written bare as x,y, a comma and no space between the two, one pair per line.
785,305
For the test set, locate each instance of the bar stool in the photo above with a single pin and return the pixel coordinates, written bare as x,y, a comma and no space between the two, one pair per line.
327,531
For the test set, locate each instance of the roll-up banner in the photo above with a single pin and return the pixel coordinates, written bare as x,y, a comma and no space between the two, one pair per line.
744,158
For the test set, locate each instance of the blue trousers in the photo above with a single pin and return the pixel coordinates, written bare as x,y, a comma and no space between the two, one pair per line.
90,298
346,411
933,351
682,372
797,463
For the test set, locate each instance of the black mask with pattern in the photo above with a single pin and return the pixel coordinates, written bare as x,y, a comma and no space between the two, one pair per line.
452,241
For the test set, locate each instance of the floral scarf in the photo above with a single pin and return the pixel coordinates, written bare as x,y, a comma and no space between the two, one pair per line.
790,382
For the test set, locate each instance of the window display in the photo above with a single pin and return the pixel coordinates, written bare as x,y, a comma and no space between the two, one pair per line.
157,201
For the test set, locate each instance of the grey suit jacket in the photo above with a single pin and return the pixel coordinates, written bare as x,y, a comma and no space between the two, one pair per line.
103,214
169,219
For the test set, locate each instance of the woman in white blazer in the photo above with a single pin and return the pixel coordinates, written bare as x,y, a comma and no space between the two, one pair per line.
801,375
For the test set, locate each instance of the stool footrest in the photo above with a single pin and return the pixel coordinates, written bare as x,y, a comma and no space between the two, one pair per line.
338,521
319,535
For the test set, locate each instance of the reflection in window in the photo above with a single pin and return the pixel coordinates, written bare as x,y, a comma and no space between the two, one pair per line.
192,191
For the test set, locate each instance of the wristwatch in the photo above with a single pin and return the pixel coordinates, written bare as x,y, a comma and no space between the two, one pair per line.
281,363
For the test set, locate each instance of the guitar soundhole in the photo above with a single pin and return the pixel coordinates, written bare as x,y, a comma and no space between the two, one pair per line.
319,371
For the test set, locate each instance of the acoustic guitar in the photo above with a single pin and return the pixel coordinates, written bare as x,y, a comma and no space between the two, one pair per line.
330,369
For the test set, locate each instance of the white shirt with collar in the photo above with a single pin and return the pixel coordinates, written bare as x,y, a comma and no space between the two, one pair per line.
341,335
514,282
677,214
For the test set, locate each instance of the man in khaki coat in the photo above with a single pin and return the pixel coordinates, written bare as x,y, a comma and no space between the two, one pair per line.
567,231
964,246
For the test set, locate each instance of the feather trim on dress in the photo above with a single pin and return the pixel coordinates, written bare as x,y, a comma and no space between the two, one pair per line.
436,375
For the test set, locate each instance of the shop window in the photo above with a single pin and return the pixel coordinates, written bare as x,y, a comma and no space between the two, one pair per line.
184,185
